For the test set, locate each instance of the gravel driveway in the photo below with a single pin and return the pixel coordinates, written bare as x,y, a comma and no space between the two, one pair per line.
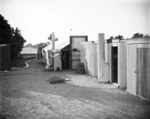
26,94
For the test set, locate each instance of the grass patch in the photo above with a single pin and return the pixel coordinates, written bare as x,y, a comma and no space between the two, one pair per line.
20,62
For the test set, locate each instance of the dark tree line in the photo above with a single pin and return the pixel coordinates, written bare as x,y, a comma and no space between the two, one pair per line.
9,35
136,35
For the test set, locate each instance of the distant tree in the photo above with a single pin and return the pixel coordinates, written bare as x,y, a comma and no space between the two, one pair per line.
146,36
111,37
29,45
120,37
109,40
137,35
41,45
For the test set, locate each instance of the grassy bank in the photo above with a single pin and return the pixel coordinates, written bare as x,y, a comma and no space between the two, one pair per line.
20,62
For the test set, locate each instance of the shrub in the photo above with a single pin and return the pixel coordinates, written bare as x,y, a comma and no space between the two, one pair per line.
56,79
81,68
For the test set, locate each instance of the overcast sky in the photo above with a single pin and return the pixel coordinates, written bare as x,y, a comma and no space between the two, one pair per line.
38,18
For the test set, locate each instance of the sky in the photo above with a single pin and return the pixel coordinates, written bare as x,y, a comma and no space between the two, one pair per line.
37,19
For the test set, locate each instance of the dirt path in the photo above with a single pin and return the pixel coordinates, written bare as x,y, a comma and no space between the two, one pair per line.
26,94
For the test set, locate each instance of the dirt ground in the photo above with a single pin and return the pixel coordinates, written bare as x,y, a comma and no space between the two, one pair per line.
27,94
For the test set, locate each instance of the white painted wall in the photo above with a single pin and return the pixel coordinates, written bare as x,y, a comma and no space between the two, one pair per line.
57,62
89,57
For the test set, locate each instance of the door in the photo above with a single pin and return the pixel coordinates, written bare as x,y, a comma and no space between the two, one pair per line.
143,72
65,60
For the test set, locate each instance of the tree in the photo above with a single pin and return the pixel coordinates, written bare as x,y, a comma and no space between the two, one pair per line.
10,36
6,32
29,45
109,40
16,43
120,37
40,45
146,36
137,35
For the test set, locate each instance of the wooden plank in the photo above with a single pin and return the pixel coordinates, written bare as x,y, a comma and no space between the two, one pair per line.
109,62
148,73
140,63
122,65
131,68
144,78
143,72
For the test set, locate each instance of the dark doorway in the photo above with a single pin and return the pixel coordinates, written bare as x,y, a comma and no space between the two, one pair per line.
114,64
65,59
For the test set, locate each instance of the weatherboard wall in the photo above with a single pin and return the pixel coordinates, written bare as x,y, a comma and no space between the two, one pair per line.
138,67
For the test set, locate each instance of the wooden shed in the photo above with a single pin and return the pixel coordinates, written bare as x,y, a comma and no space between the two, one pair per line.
138,67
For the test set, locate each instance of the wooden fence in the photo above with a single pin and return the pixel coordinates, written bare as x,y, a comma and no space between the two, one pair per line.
5,57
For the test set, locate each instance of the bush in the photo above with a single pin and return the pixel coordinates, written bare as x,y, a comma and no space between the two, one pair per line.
81,68
56,79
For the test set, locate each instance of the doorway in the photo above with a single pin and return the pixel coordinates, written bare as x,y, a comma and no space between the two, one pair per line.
114,64
65,59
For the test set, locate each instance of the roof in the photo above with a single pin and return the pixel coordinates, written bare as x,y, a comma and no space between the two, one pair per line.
58,46
29,50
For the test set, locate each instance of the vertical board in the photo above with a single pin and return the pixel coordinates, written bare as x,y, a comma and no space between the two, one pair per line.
131,68
94,59
109,62
143,76
148,73
122,65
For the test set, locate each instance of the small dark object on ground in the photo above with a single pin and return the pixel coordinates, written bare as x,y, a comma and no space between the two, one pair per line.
81,68
56,79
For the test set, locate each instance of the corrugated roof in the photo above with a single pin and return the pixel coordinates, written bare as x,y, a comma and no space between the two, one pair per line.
58,46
